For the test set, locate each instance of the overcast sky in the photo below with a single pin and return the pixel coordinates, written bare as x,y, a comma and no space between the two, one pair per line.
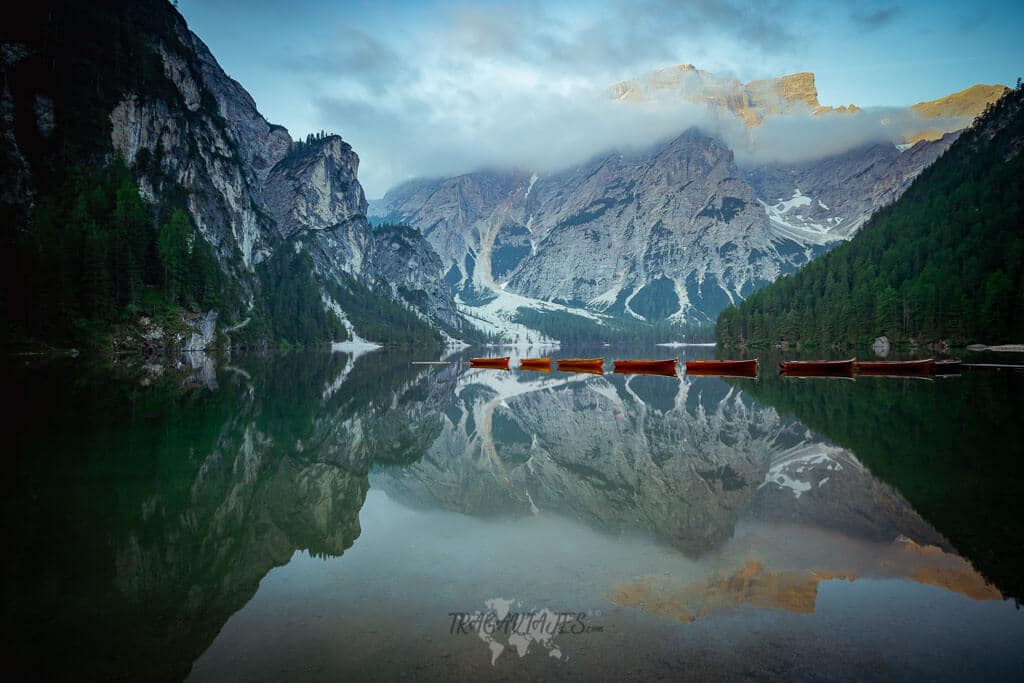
437,88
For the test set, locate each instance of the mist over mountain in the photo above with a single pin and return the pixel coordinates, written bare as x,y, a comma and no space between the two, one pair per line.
681,229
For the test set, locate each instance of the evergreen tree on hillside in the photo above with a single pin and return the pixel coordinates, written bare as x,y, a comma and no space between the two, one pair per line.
131,225
174,253
945,261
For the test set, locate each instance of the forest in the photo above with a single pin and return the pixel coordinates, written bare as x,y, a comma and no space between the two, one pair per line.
96,254
944,262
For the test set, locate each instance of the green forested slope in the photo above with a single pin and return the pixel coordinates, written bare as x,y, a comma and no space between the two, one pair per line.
945,261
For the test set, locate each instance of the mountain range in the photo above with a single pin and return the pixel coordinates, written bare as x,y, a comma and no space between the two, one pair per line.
671,234
675,233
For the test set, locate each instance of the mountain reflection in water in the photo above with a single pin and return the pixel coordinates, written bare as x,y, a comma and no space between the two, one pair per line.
144,518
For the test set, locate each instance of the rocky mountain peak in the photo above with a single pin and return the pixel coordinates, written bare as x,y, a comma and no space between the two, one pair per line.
967,102
751,101
315,187
955,111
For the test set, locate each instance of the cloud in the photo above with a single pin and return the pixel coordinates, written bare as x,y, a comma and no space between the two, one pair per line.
521,84
525,84
355,55
548,130
800,136
624,34
872,20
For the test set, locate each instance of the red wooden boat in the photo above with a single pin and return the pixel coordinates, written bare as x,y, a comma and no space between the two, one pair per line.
500,363
647,367
592,365
736,368
895,367
948,366
536,364
817,367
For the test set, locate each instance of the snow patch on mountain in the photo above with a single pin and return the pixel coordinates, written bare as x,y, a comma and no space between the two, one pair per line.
533,179
498,317
355,344
789,222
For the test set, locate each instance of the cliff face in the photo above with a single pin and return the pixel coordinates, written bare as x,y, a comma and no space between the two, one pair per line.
751,102
404,263
969,102
683,216
820,201
193,136
678,232
755,101
596,236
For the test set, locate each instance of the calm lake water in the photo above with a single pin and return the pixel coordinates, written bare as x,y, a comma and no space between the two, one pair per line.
319,516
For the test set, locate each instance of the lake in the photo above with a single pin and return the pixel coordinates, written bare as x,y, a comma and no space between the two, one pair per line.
324,516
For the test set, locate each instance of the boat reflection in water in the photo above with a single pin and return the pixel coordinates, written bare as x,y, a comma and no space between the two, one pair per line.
722,368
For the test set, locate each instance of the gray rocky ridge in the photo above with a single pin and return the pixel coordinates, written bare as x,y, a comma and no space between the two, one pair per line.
678,232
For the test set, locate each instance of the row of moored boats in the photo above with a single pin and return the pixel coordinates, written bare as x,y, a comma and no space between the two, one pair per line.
737,368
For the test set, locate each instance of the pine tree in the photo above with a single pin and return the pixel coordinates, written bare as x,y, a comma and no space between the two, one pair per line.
131,226
174,253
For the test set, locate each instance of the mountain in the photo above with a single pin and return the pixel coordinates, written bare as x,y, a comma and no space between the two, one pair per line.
824,200
675,233
960,107
758,100
942,262
751,102
90,89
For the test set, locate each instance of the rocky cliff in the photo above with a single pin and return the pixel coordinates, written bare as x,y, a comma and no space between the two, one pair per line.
751,102
191,136
823,200
678,232
797,93
955,111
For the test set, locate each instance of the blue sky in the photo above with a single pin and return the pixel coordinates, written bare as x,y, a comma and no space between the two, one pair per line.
425,88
